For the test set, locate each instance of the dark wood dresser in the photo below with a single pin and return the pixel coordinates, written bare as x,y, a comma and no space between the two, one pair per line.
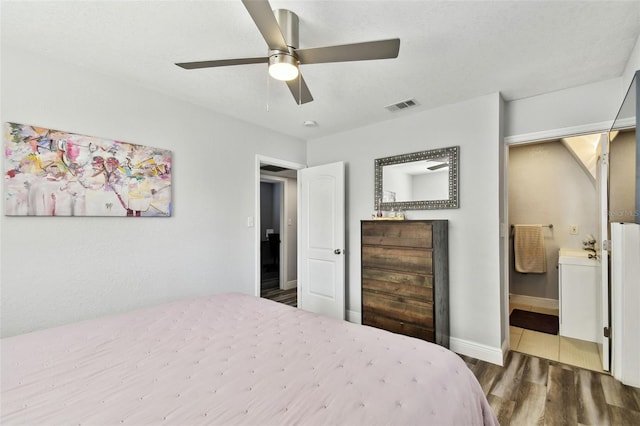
405,277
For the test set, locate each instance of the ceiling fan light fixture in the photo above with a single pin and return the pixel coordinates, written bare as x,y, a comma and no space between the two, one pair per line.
283,67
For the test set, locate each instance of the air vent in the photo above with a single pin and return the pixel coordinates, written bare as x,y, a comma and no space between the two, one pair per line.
409,103
271,168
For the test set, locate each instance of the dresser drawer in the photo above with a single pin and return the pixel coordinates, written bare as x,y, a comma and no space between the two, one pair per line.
398,283
404,309
406,234
399,259
397,326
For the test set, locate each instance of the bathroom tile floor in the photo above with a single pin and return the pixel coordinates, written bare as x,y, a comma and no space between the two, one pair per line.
556,348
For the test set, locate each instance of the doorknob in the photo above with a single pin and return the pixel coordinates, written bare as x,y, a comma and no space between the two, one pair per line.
337,251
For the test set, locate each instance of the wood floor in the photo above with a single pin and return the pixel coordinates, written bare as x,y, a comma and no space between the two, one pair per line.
288,297
535,391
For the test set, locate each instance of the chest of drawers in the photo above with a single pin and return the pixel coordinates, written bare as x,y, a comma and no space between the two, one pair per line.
405,277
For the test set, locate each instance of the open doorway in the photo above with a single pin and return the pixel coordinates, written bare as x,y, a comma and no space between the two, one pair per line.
555,185
552,191
276,230
271,215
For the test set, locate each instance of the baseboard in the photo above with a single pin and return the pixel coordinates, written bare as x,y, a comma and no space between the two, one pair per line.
539,302
290,284
354,316
476,350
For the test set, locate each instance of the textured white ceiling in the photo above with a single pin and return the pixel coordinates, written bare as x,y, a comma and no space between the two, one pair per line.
450,51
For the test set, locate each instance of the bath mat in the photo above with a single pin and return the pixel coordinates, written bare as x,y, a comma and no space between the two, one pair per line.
535,321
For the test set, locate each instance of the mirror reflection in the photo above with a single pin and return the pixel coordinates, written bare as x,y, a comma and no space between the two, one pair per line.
624,159
417,181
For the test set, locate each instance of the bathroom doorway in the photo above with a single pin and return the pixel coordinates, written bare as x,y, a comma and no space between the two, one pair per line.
553,183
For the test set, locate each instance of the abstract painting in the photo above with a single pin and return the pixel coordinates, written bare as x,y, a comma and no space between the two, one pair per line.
55,173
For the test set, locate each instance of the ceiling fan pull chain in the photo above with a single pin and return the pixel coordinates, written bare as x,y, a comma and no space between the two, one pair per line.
299,90
268,90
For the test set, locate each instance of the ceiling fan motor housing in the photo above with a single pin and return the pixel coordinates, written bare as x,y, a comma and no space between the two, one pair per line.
289,25
280,57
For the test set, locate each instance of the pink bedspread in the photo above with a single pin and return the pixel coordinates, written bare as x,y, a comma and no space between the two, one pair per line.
233,359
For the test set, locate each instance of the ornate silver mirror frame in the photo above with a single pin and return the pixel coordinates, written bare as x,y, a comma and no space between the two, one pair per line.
443,155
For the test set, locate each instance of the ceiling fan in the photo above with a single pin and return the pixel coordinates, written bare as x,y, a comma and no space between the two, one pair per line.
279,28
438,166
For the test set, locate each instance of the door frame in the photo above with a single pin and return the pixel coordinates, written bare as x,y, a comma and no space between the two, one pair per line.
604,234
261,159
526,138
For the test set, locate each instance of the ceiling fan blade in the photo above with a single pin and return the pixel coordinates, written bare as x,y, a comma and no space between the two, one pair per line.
222,63
438,166
299,90
368,50
262,15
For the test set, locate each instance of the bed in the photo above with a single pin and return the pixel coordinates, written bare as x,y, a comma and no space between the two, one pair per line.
233,359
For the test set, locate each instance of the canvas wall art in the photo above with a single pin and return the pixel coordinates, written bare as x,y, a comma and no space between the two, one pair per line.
55,173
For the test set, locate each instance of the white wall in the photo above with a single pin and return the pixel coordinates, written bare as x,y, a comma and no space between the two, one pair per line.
474,125
399,183
633,65
59,270
432,186
592,105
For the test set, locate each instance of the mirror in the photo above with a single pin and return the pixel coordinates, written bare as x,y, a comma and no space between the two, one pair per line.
623,196
422,180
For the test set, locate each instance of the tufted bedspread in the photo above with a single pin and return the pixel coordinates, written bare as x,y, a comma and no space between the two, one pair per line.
233,359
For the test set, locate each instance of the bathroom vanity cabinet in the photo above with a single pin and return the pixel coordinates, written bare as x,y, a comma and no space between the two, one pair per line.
579,296
405,277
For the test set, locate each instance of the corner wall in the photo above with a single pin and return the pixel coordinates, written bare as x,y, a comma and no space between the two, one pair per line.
60,270
474,244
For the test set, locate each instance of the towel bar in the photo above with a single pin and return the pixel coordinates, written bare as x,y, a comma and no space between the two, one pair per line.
550,226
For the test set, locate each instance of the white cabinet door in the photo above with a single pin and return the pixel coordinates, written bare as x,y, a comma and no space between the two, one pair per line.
579,294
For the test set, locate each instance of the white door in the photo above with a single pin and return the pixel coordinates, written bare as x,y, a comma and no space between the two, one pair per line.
625,294
603,235
321,255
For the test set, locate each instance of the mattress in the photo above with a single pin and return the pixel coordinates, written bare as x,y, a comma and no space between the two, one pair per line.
233,359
